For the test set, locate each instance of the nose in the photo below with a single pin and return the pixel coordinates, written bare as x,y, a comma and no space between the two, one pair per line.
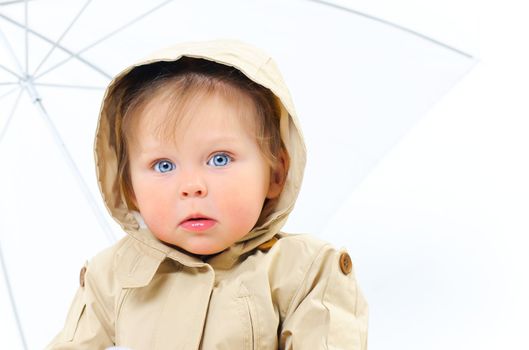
192,188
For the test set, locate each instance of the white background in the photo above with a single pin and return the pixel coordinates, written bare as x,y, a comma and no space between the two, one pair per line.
439,231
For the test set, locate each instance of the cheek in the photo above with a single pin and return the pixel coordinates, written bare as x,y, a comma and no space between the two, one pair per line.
153,202
242,199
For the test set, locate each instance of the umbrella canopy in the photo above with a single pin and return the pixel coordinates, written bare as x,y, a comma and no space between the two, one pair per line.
359,85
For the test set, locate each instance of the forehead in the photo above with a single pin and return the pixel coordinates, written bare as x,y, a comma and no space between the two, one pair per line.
220,113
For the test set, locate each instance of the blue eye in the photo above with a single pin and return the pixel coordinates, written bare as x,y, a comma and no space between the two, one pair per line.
219,159
164,166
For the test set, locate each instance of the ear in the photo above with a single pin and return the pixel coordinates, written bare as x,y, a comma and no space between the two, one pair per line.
278,175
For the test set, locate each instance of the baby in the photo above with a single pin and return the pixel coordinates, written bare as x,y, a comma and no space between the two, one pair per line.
200,159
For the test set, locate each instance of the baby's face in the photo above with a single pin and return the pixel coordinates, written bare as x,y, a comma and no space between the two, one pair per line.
203,190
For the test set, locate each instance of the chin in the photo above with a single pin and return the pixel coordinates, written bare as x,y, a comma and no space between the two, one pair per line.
204,250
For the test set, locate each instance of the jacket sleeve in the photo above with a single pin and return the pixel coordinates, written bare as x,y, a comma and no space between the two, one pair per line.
328,310
89,321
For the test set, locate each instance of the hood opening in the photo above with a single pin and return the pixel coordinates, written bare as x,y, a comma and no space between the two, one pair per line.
241,59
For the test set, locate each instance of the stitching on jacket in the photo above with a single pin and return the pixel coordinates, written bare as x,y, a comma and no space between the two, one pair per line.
243,318
268,59
246,315
135,262
323,297
303,281
121,301
156,337
106,319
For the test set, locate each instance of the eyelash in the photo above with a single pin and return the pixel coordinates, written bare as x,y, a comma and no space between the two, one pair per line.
230,159
157,164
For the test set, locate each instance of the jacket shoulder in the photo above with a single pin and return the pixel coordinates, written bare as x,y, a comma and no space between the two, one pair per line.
100,269
301,253
104,261
129,262
322,290
307,246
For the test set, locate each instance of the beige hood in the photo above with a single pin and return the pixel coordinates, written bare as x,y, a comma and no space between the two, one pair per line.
256,65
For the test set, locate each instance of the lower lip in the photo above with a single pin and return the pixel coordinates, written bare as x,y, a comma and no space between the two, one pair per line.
197,225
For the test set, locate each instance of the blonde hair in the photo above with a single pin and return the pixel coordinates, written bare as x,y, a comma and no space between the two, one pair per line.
183,83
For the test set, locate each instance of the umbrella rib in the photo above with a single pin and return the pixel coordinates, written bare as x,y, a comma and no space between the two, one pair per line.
61,37
97,42
37,101
49,41
9,71
8,93
8,122
13,2
85,87
26,36
13,56
383,21
12,299
35,98
114,32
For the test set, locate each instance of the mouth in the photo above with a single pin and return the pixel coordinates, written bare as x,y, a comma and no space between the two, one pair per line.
197,222
195,217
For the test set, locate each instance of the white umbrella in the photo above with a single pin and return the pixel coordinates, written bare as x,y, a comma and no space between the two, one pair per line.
359,84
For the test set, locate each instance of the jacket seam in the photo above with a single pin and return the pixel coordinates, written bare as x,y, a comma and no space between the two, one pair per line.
106,316
123,295
254,316
141,241
156,336
259,69
324,305
303,281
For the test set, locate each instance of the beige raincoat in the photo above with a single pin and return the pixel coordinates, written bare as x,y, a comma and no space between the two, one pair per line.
270,290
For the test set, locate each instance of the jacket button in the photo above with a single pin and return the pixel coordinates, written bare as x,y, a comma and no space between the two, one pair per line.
345,263
268,244
81,276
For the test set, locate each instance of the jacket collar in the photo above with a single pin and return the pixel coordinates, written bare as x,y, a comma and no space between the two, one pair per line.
141,254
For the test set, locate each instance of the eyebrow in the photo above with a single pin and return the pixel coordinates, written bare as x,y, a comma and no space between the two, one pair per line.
222,138
208,141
